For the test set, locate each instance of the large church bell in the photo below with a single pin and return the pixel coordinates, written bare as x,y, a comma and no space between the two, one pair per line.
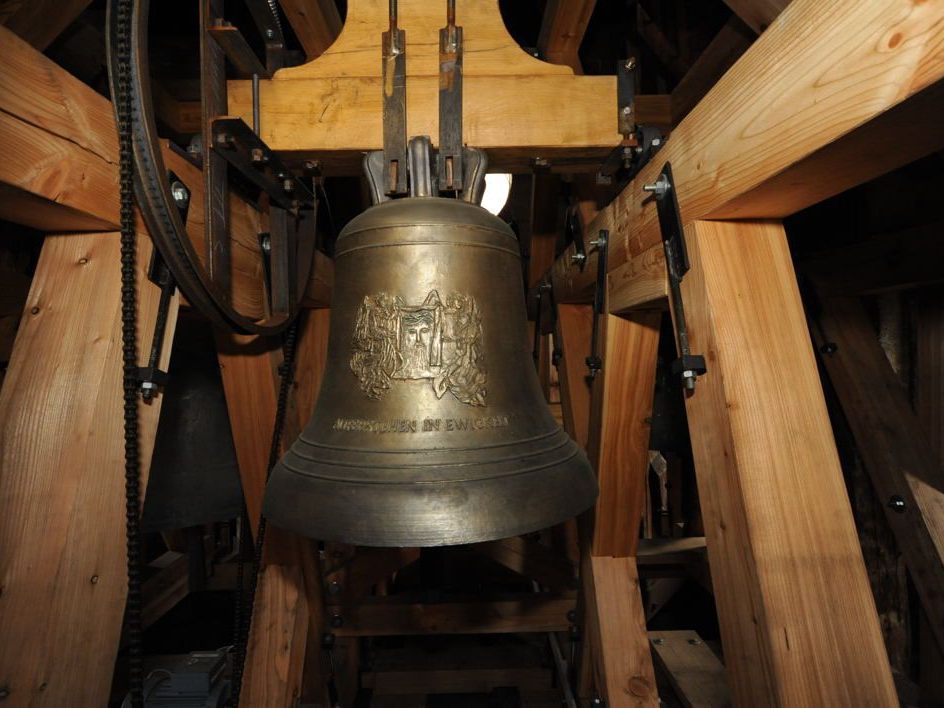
430,428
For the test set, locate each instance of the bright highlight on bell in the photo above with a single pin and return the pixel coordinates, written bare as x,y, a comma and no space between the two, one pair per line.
497,189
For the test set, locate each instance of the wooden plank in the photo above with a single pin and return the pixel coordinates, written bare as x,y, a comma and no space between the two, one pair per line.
894,261
777,519
575,323
619,431
694,671
758,14
661,46
640,283
532,560
532,613
893,443
562,29
316,23
39,22
733,39
622,657
516,107
804,114
545,224
61,486
459,680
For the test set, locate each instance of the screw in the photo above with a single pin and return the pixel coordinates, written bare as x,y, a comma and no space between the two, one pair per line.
658,641
579,257
266,243
288,184
659,187
93,579
224,140
180,193
34,311
694,642
270,34
627,110
312,166
258,157
630,64
542,162
897,503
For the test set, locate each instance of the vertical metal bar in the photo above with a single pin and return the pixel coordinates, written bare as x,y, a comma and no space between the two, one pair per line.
450,167
256,120
213,90
394,106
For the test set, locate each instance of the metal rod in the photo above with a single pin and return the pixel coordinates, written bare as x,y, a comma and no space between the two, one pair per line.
256,127
451,13
393,15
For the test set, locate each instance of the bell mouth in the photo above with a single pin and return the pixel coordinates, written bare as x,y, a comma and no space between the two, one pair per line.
328,503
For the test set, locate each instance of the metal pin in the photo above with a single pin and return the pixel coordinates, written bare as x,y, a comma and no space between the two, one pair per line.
256,127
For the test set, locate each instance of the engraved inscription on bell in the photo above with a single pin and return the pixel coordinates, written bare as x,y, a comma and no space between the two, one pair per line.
441,343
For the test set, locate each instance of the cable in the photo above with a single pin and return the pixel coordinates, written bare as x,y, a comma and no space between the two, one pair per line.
129,353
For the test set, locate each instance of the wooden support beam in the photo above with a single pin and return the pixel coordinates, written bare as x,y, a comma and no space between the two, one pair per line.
893,444
383,617
895,261
532,560
289,604
625,676
777,518
804,114
660,45
758,14
696,674
61,485
39,22
61,169
575,324
619,429
316,23
562,29
545,224
518,108
639,284
733,39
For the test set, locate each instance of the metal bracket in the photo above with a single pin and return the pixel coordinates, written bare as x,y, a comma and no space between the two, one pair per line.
601,244
394,107
689,366
257,164
573,232
449,163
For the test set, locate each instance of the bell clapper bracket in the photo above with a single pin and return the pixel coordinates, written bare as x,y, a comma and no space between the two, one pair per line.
689,366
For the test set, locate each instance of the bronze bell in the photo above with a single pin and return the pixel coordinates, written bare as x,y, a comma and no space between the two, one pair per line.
430,427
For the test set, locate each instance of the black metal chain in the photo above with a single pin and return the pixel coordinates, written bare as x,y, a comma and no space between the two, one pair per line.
244,608
129,351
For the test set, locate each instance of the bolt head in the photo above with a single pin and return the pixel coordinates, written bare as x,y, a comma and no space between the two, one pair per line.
180,193
658,641
897,504
270,34
578,257
627,110
630,64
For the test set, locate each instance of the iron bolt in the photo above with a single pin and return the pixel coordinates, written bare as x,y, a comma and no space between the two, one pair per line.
694,642
266,243
270,34
224,140
288,185
627,110
829,348
337,621
658,641
334,587
258,156
659,187
571,616
897,503
180,193
630,64
578,257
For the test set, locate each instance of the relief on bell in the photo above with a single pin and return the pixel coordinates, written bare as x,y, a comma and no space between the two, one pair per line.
433,341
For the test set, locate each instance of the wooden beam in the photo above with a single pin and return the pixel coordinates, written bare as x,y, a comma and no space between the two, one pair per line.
61,486
895,261
575,323
61,168
562,29
316,23
289,604
518,108
545,224
625,675
893,443
777,519
381,617
619,429
660,45
733,39
804,114
39,22
532,560
696,674
639,284
758,14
